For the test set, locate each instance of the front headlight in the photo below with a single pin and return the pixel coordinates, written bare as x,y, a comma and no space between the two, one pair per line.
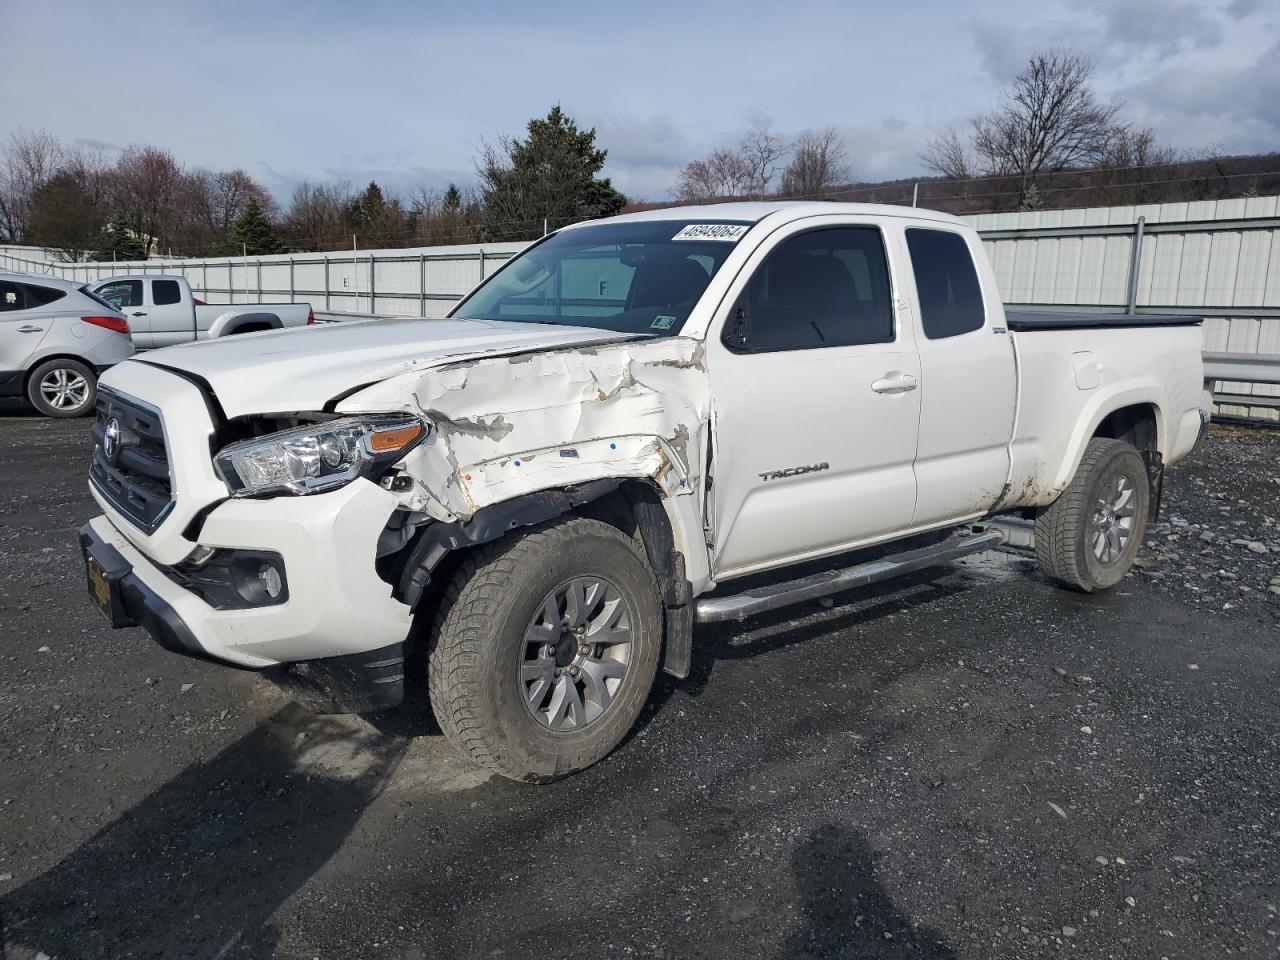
318,457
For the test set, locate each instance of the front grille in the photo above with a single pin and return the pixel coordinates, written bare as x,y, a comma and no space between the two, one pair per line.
134,475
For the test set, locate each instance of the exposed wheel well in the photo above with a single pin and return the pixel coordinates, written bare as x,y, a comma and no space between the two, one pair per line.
256,327
1135,424
634,507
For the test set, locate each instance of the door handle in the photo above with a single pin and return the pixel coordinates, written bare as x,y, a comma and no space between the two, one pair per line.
138,313
30,329
895,383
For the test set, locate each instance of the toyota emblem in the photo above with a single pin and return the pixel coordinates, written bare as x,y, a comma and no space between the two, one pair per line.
111,440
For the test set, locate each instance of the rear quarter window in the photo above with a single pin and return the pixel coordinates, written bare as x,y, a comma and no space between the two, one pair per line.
946,283
38,296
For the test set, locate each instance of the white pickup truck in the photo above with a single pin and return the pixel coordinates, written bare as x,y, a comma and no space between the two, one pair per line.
162,312
543,493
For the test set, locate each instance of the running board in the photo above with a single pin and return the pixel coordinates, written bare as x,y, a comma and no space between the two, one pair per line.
760,599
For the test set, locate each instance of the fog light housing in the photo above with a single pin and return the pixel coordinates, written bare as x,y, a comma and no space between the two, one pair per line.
233,579
258,577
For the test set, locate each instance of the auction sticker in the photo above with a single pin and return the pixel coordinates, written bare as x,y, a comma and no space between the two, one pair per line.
713,231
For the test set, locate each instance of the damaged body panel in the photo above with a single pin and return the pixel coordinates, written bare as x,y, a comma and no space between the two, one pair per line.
502,427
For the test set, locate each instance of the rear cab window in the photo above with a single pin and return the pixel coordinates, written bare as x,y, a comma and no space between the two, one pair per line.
165,292
946,283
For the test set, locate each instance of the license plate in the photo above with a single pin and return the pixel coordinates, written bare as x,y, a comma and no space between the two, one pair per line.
99,586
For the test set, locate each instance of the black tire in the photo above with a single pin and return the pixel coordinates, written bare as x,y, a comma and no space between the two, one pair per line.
1067,534
46,393
480,641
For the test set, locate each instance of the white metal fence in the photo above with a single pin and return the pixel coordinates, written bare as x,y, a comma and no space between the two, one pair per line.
1219,259
419,282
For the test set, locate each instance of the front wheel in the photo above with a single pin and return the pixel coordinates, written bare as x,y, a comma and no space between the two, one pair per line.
545,648
62,388
1090,537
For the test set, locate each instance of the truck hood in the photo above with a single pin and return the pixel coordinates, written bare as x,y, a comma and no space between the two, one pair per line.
303,369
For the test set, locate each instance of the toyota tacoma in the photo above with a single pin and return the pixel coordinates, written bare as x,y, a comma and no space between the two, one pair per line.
533,502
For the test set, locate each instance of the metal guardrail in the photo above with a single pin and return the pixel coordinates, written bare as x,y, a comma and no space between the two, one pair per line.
1255,368
1243,367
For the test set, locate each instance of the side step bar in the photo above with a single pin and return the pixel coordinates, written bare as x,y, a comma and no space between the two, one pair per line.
760,599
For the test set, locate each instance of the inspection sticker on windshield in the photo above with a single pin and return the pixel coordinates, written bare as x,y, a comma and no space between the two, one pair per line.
712,231
663,323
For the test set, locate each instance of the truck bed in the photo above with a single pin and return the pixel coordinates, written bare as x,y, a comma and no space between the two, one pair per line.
1024,320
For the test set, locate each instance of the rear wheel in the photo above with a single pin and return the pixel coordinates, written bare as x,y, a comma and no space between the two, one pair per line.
1091,535
545,648
62,388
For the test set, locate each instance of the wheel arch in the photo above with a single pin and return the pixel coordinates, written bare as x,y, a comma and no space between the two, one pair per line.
638,507
1142,406
37,362
245,323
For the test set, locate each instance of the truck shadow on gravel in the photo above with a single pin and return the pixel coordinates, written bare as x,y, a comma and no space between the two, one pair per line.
198,868
847,912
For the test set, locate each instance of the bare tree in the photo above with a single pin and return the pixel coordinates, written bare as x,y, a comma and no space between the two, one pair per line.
27,162
451,216
145,192
1048,120
1135,147
761,150
317,215
210,203
950,155
819,161
1124,167
725,173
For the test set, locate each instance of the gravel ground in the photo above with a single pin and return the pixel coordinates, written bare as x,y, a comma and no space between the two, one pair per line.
968,763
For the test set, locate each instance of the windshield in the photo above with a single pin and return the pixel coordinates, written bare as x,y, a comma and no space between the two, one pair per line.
630,277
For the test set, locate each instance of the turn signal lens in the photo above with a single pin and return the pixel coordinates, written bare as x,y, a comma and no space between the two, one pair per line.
385,441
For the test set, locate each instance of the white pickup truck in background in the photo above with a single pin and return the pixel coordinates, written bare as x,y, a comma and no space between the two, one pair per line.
162,312
533,501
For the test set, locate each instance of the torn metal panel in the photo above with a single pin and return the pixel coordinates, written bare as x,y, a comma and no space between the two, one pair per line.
510,425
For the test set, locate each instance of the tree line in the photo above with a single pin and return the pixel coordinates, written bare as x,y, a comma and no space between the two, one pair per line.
1049,141
144,202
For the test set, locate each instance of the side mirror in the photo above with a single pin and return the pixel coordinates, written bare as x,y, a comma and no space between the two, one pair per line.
737,332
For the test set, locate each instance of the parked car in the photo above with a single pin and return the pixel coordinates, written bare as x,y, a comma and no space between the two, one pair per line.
162,311
55,339
602,440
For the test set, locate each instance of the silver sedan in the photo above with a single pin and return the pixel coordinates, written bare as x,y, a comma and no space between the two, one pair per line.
55,338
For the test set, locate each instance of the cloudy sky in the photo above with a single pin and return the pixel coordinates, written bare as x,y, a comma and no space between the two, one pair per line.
406,93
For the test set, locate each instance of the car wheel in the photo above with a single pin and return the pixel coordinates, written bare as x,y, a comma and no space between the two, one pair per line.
1091,535
62,388
545,648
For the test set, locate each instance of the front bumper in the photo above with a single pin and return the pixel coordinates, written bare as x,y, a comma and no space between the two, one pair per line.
337,605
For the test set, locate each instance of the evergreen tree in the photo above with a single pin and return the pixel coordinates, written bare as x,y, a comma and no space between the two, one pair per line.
551,175
451,203
117,243
368,208
253,233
